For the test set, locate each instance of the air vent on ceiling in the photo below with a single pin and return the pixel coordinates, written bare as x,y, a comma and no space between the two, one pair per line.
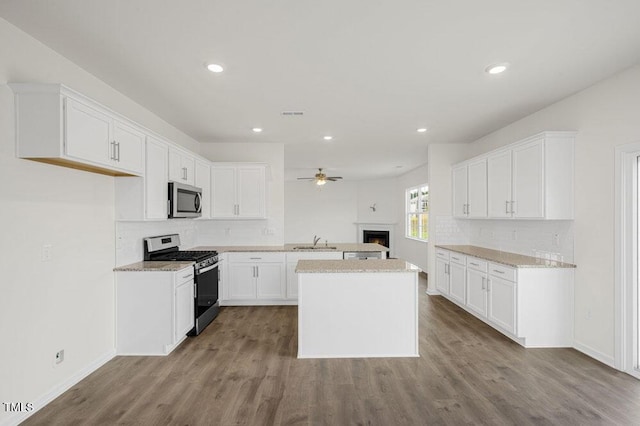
292,113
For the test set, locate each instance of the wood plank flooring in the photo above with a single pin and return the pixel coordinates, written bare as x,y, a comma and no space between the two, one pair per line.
243,371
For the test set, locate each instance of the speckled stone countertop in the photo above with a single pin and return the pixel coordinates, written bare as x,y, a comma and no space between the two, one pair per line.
355,266
291,247
506,258
153,266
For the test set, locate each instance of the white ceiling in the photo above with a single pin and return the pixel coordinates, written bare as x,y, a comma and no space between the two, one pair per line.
367,72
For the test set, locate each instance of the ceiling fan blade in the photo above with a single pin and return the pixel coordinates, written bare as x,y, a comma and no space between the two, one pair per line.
334,177
306,178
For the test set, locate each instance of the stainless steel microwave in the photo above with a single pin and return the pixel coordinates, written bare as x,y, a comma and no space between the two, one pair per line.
184,200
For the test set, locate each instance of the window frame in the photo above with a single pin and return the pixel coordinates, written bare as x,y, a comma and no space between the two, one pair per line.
422,209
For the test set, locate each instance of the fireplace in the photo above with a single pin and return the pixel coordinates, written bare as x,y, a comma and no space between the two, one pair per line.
376,237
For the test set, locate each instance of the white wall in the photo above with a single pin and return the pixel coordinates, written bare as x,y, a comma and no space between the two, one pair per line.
412,251
442,227
329,211
248,232
66,303
605,115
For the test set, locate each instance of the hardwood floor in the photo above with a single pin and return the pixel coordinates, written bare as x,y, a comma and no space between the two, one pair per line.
243,371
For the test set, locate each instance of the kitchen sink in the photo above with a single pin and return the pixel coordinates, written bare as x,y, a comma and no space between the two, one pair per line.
314,248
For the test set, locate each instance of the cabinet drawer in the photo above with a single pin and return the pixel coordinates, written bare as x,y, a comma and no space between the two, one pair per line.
458,258
294,257
442,254
184,275
477,264
256,257
502,271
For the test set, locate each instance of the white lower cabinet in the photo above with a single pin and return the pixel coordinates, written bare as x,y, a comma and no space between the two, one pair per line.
254,279
476,292
501,295
457,277
442,271
155,310
531,305
292,262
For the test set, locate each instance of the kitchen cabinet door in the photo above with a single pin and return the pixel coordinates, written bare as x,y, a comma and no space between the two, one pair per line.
270,281
477,189
181,167
457,282
129,147
156,179
223,190
88,133
292,281
459,178
502,303
442,276
242,281
203,180
184,309
250,190
528,180
476,292
499,184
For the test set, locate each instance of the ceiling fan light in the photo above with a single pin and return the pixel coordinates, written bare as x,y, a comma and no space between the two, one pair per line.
320,182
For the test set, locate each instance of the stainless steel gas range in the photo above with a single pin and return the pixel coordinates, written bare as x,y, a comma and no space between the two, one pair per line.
166,248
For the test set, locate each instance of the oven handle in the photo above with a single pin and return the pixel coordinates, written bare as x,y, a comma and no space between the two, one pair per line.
208,268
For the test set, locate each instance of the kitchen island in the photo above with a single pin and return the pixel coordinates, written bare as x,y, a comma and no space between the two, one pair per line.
357,308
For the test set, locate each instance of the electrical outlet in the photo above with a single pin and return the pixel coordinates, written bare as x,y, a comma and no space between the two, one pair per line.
514,235
556,240
588,314
47,253
227,231
59,356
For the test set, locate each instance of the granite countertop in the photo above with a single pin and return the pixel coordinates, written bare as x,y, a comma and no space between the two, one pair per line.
507,258
355,265
153,266
290,248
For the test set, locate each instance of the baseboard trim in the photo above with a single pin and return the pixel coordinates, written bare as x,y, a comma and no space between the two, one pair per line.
597,355
432,292
59,389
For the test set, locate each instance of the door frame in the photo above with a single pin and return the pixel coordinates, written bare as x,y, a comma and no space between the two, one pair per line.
626,258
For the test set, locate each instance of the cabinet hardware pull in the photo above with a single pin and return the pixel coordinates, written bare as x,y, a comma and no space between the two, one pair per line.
118,151
500,272
257,272
255,258
195,291
483,285
506,207
474,264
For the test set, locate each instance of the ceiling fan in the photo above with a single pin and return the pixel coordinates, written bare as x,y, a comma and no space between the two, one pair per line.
321,178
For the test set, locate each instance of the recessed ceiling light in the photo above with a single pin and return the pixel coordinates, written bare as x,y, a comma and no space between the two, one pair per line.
496,68
328,138
422,130
215,68
257,129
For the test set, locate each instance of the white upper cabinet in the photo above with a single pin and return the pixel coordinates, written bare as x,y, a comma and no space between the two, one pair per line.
238,191
499,184
470,189
182,166
530,179
202,179
156,179
460,187
57,125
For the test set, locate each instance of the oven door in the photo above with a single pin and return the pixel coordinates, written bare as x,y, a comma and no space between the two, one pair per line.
206,297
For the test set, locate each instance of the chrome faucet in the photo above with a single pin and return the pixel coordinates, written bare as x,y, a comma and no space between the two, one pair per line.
315,240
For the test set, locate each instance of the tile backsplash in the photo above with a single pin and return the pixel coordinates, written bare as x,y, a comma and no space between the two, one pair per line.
551,239
129,235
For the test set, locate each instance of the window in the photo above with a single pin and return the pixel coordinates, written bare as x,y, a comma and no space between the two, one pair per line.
418,212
